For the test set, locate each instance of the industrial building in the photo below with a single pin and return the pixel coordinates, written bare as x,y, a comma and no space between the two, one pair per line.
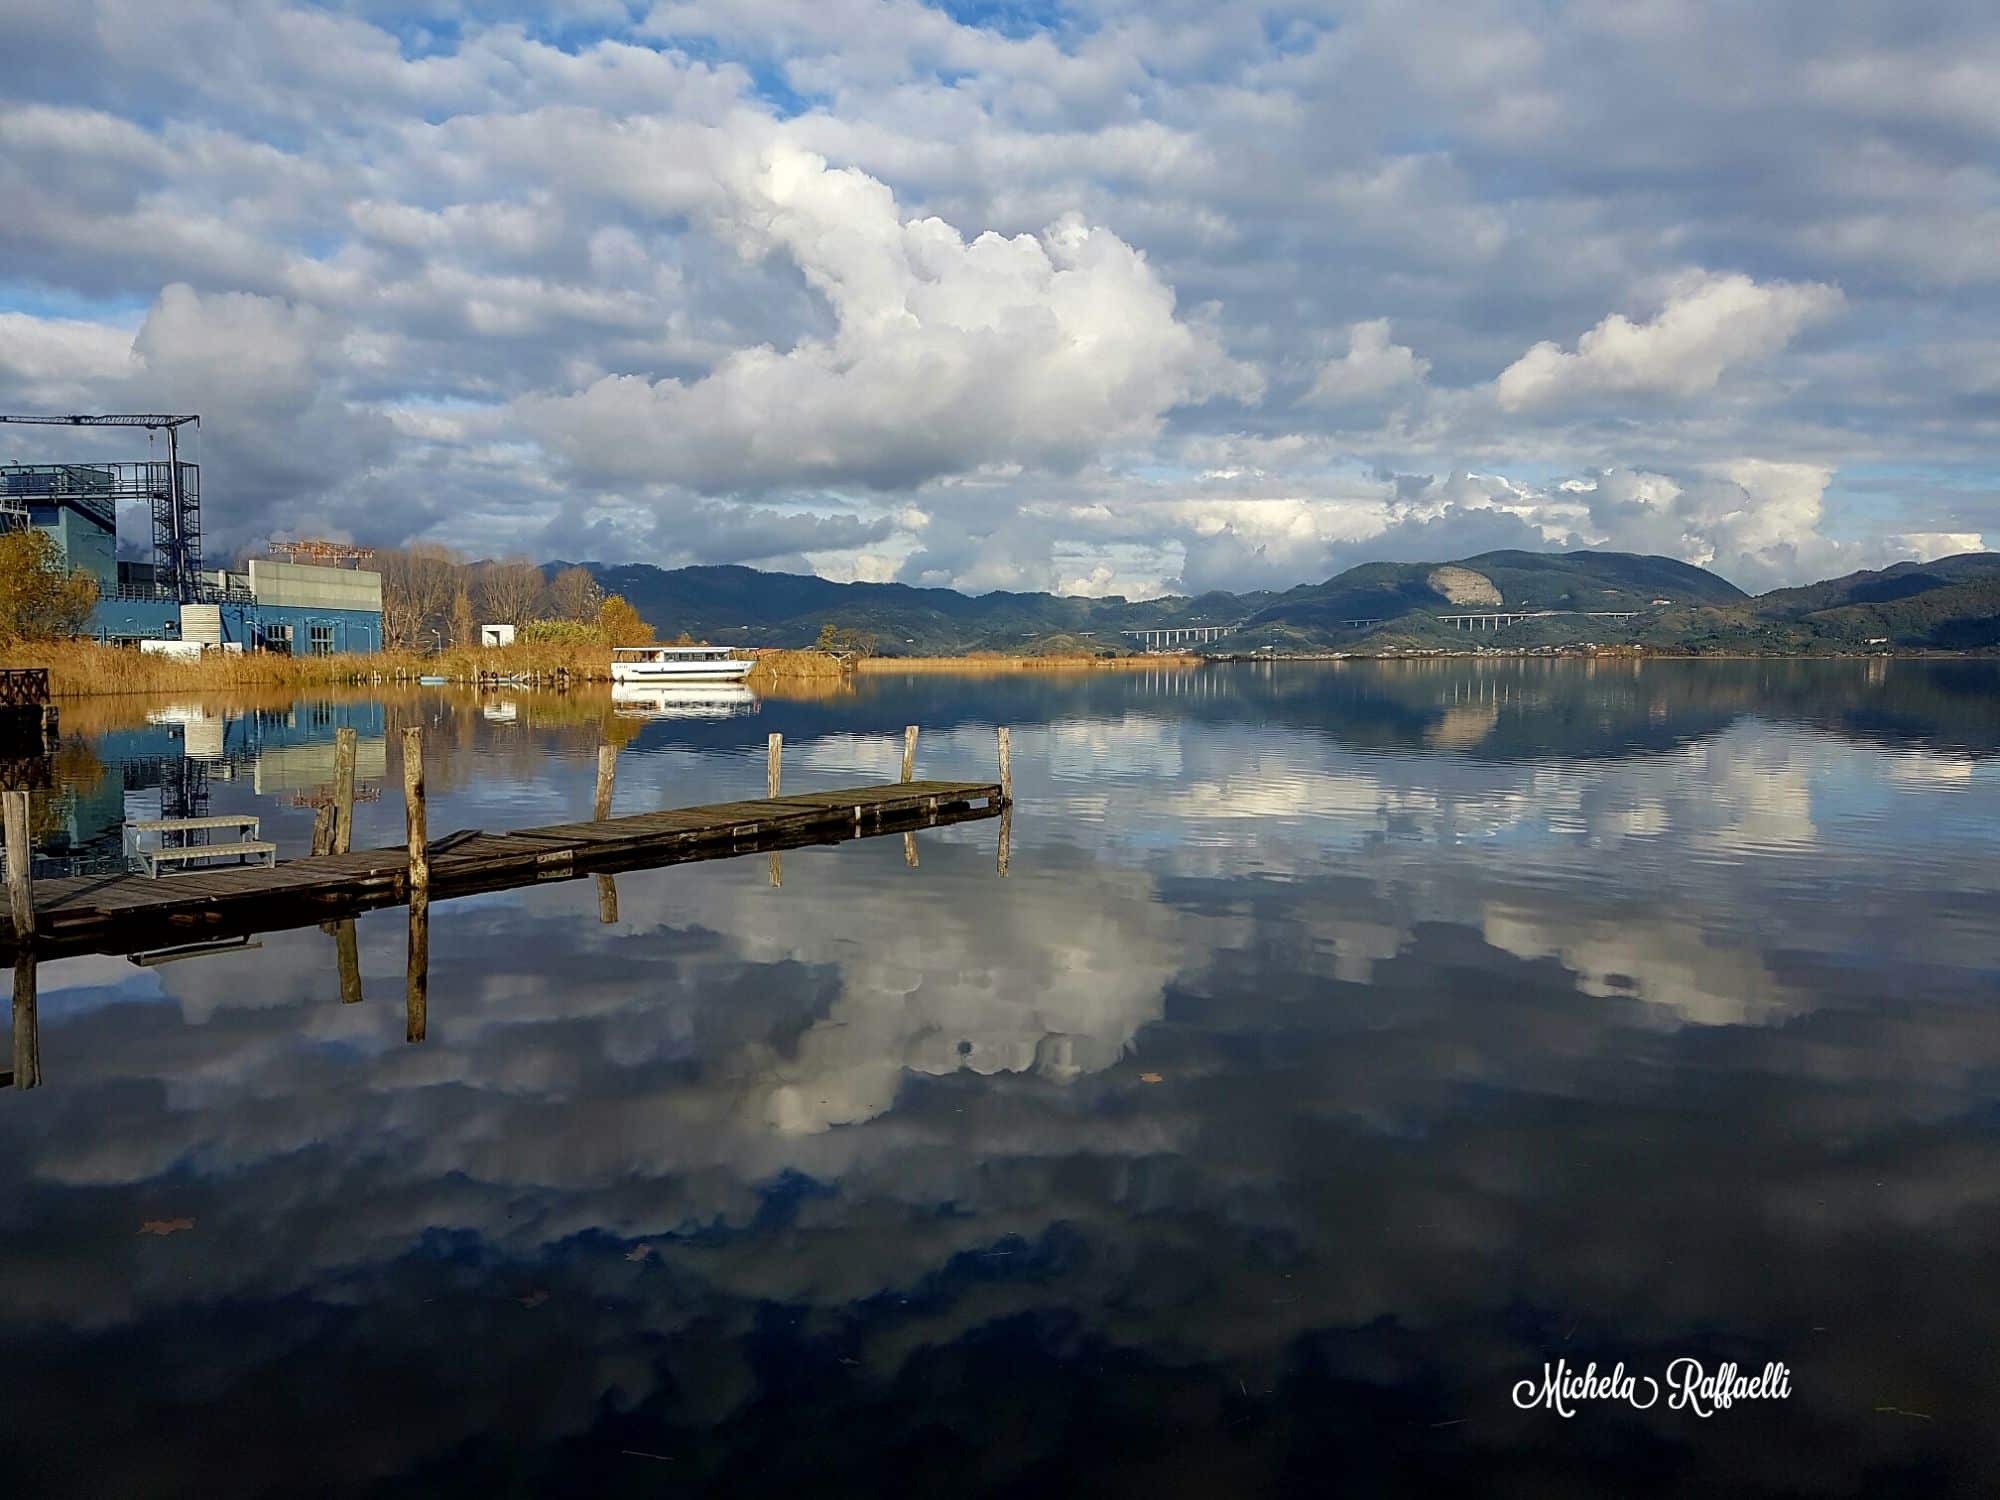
290,606
297,608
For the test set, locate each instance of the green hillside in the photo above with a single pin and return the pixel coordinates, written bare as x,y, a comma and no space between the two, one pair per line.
1952,603
744,606
1406,598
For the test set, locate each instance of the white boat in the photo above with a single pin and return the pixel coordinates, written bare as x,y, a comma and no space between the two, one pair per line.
637,664
681,700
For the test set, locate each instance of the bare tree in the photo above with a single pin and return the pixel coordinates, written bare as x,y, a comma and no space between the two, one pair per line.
418,585
509,593
574,595
463,631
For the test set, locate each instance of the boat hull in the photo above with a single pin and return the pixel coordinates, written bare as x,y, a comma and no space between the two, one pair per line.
636,672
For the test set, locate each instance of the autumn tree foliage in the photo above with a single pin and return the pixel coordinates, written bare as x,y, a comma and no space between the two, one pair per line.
620,625
41,597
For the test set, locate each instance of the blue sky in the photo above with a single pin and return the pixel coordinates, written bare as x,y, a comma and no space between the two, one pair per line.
1111,297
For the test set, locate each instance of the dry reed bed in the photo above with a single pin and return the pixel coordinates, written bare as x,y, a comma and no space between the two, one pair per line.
84,669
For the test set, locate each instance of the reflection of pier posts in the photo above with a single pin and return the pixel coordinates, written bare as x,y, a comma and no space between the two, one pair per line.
21,906
417,975
347,955
600,809
417,972
27,1036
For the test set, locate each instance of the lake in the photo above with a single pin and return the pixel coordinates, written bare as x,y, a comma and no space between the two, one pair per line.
1345,1045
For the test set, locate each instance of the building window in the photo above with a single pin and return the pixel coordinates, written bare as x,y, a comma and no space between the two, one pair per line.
320,639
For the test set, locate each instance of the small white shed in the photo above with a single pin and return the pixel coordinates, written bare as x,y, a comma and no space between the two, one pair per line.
496,635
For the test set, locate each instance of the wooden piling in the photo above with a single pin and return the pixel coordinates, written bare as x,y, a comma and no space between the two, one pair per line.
27,1034
344,742
774,751
909,753
20,867
323,829
600,809
607,774
1006,768
1006,839
419,885
347,955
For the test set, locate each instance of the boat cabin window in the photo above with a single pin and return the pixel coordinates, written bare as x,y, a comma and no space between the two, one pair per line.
669,653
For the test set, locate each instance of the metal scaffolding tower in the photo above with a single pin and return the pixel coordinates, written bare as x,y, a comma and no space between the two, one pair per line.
172,490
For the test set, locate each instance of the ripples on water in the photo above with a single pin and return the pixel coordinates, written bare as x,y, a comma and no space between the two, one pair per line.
1342,1044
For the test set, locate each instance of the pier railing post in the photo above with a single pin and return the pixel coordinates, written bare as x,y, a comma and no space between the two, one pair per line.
20,865
344,741
323,829
909,753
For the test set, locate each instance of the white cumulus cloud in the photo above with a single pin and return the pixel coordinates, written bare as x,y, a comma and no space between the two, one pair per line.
946,354
1372,366
1708,325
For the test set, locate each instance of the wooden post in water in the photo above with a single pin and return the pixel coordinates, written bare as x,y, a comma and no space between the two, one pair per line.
1006,767
413,817
27,1036
347,954
21,906
20,867
344,741
774,752
323,829
909,753
607,775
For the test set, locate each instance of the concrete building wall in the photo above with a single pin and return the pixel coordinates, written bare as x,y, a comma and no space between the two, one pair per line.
83,540
304,586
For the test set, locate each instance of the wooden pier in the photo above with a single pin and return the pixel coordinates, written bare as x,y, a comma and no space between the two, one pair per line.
132,913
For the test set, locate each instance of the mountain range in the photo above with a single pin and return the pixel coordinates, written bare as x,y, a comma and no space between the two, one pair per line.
1951,603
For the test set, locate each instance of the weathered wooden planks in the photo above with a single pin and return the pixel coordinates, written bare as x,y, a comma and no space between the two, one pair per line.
129,913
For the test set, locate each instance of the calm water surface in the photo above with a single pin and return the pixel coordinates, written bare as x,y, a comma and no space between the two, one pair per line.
1342,1045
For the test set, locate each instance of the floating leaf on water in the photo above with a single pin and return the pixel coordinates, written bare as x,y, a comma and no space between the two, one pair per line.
165,1226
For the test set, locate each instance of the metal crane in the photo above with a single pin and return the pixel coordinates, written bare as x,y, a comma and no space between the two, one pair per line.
176,504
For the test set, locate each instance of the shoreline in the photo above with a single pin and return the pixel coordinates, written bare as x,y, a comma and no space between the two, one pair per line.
81,670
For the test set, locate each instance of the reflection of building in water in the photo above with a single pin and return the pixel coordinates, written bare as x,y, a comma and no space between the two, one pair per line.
166,768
